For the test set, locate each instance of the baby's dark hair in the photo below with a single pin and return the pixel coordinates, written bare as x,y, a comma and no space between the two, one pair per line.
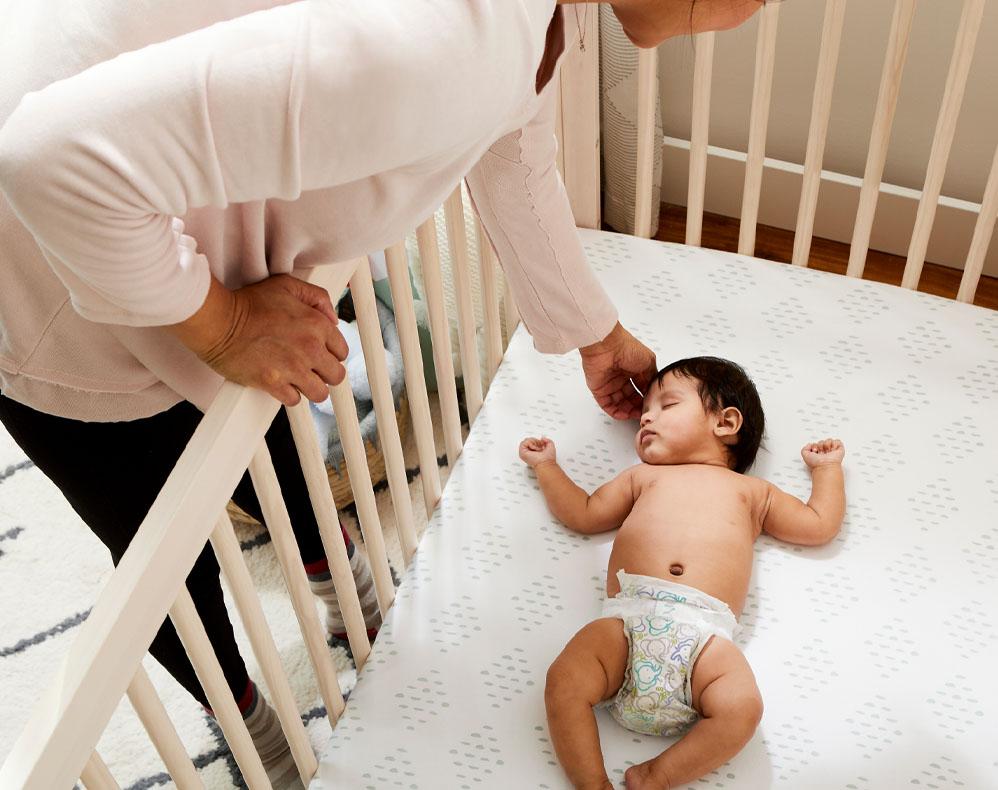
721,383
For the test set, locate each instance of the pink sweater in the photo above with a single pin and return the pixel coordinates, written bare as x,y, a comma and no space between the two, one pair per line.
146,144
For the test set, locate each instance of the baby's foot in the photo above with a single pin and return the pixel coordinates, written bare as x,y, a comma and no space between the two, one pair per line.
639,777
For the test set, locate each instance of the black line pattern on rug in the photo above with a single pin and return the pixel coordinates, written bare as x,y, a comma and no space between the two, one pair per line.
14,468
224,753
12,533
221,752
255,542
58,628
201,761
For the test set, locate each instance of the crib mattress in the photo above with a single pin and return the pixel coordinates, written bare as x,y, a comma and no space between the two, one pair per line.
875,654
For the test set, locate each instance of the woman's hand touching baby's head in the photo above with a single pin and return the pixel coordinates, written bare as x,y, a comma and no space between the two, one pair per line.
536,451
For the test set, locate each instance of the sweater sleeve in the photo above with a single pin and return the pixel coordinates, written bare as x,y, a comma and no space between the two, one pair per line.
265,106
521,200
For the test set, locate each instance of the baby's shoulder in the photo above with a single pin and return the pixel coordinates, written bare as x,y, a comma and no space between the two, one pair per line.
756,493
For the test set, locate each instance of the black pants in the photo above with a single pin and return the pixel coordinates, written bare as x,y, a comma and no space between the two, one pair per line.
111,473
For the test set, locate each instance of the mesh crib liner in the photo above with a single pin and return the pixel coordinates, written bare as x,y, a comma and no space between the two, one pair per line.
875,654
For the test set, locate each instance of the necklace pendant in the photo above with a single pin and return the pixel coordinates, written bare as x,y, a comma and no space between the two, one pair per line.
582,46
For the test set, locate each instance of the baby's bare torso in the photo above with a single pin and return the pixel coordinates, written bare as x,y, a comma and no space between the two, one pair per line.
698,519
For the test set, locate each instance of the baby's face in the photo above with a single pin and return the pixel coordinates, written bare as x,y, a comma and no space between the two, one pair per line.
675,428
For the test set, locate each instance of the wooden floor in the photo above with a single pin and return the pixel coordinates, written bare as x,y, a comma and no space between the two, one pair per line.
775,244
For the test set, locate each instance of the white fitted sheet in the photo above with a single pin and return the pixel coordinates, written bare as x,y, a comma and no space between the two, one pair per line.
875,655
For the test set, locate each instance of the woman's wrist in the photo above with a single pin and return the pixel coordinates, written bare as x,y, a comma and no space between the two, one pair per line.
612,339
210,327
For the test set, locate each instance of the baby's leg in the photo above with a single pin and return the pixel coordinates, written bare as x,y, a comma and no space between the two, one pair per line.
589,670
730,706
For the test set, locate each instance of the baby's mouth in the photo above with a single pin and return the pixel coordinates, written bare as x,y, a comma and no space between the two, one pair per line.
645,434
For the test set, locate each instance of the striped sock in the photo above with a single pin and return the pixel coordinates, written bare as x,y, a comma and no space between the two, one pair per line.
268,739
322,587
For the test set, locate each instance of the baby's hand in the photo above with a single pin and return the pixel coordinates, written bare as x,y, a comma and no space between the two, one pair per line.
534,451
827,451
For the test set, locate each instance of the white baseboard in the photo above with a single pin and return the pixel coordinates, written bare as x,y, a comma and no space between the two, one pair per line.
837,203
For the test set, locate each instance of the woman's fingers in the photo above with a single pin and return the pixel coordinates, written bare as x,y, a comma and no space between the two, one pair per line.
642,381
331,371
313,387
336,344
312,295
618,397
286,394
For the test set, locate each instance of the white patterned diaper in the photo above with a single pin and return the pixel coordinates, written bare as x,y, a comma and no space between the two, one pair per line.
666,625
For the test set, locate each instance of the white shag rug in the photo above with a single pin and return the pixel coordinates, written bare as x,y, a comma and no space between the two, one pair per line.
51,571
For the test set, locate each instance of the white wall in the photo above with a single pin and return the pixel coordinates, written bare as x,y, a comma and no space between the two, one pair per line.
864,42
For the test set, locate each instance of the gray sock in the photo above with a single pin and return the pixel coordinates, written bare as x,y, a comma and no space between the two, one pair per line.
268,738
322,587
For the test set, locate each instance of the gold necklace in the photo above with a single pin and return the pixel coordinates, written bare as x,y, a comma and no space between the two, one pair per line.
581,27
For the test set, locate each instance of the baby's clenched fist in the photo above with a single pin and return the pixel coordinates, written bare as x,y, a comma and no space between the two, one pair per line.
827,451
534,451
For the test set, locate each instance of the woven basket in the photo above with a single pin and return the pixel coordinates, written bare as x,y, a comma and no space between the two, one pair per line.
339,479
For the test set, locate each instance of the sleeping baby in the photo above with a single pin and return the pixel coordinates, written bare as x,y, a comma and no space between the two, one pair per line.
661,656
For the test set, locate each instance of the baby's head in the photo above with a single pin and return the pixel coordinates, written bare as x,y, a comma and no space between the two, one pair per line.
701,410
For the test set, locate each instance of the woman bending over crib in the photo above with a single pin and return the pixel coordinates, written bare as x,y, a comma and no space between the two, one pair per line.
662,656
166,167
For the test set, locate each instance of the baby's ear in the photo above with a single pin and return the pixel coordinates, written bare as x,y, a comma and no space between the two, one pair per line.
729,422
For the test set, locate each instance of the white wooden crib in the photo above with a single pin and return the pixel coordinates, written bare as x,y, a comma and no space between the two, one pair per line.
875,654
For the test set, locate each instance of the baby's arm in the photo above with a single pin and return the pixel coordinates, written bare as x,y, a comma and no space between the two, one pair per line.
817,522
603,510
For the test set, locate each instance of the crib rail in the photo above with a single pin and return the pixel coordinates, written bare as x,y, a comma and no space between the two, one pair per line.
872,184
64,728
103,663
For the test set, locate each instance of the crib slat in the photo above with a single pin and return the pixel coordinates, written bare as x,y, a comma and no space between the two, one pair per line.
151,712
703,69
487,263
363,493
880,137
230,559
373,344
510,312
824,84
956,83
415,381
324,506
426,237
765,57
471,369
96,775
647,67
275,512
191,631
983,230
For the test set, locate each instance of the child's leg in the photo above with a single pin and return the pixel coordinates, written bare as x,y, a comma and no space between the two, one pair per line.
728,700
284,454
589,670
